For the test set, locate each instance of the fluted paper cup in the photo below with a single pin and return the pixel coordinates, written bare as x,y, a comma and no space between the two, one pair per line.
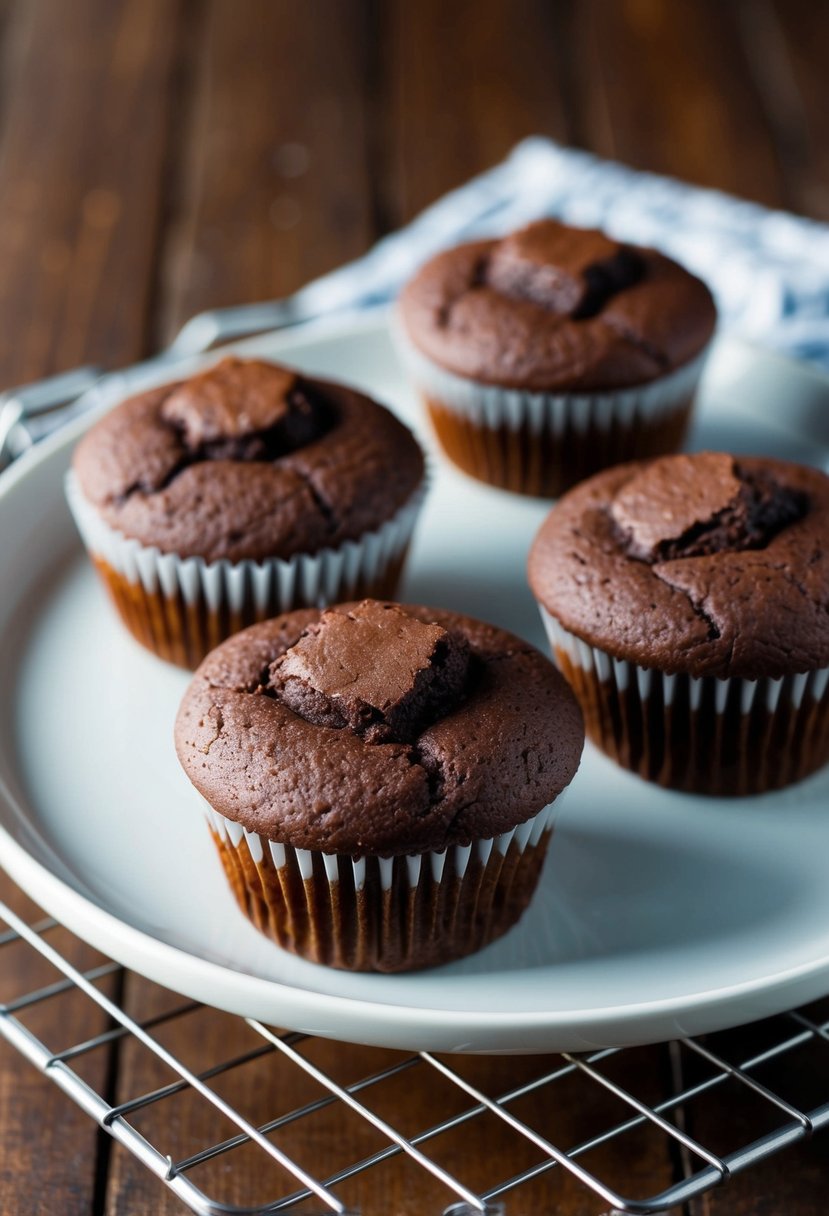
543,443
383,913
703,735
181,608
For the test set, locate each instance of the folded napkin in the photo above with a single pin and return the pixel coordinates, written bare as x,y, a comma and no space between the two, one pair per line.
769,270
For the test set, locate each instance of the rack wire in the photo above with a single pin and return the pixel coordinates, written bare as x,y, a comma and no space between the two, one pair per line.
300,1079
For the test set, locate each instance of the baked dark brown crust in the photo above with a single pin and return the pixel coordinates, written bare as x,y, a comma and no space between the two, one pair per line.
557,308
506,750
248,460
709,565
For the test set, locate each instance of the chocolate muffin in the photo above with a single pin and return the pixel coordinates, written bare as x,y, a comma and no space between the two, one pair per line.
379,779
554,352
243,491
687,602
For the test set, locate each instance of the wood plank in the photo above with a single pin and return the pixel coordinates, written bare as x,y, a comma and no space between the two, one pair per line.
50,1150
666,87
462,83
77,227
87,97
274,184
86,90
785,45
793,1183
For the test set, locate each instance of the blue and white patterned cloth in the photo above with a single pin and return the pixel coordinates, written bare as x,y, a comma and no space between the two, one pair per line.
769,270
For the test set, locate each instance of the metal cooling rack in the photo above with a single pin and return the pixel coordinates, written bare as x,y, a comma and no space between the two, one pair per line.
698,1068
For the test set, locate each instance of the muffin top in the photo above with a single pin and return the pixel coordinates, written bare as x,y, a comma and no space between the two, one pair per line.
247,459
380,729
557,308
710,564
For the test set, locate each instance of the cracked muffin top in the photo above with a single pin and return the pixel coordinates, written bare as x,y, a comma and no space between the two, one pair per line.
710,564
247,459
378,728
557,308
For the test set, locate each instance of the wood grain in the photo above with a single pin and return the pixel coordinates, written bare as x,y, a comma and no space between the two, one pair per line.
87,90
50,1150
666,87
85,93
794,1182
273,180
461,84
786,43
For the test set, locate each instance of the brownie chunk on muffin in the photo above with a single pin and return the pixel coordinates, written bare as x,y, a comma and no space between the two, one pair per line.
419,673
701,505
241,410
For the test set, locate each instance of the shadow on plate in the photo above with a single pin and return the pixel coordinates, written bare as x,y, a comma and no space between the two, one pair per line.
611,896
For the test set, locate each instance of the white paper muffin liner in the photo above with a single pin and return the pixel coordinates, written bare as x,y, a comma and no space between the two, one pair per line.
387,914
558,413
700,734
239,592
566,436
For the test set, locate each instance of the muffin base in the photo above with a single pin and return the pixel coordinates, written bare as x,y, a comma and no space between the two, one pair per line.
548,462
542,443
727,738
184,632
378,914
181,607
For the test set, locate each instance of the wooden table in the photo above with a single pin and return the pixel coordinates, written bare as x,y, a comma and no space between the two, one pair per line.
162,156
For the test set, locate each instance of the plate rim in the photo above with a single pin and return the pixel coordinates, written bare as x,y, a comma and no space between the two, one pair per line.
106,931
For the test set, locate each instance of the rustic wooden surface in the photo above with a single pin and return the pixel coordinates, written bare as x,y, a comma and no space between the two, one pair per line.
161,156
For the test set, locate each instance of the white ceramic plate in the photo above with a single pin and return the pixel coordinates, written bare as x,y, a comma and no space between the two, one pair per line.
658,914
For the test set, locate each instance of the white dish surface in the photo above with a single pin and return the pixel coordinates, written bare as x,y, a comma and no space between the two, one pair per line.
658,914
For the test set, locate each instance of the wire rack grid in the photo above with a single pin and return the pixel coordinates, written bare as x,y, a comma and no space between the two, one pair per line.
698,1068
